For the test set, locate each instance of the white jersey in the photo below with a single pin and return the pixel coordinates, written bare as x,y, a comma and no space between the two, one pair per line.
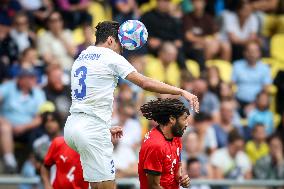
94,77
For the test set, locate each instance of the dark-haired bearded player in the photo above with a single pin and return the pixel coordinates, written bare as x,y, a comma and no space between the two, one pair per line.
159,157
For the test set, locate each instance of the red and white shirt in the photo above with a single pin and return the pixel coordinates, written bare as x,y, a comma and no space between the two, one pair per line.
159,156
69,173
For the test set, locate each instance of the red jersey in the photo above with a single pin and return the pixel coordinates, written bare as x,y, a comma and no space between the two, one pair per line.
69,173
159,156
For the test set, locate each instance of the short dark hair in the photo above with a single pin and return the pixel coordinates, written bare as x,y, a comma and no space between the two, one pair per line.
54,116
274,136
192,160
201,117
233,136
106,29
161,110
256,125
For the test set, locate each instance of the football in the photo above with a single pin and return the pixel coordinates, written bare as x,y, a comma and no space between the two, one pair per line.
132,34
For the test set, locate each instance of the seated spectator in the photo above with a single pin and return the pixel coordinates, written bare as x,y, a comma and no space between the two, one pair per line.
206,134
8,9
88,39
201,39
18,114
123,10
74,12
29,60
231,162
21,33
194,172
280,128
165,67
239,28
191,150
257,147
39,15
57,43
125,159
56,91
279,83
214,80
261,113
8,48
226,92
131,127
163,27
272,165
251,76
51,123
209,102
229,120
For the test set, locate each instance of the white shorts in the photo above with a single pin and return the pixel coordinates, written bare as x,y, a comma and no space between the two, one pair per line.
91,138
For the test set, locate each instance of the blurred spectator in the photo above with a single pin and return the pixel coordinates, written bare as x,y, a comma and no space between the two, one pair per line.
131,127
19,108
191,150
229,120
8,48
39,15
214,80
206,133
74,12
88,39
8,9
272,165
165,68
280,129
194,172
261,113
226,92
123,10
125,159
231,162
29,60
51,122
257,147
56,91
240,27
251,76
21,33
209,102
279,83
186,80
162,27
57,43
201,39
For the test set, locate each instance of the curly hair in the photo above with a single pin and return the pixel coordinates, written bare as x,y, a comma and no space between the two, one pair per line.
106,29
161,110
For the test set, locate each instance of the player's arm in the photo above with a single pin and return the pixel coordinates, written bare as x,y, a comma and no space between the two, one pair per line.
45,175
153,180
159,87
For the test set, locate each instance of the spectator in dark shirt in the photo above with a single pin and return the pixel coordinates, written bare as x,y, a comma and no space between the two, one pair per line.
88,38
74,12
56,91
8,9
200,33
279,82
123,10
161,26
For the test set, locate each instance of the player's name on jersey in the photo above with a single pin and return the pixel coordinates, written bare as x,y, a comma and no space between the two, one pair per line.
87,56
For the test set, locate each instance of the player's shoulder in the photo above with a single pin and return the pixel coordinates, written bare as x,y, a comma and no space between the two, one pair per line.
58,140
154,139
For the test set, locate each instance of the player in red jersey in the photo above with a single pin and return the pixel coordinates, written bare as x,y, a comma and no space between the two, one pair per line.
159,158
69,173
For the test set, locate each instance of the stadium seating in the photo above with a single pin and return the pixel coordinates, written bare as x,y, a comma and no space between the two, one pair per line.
277,47
225,68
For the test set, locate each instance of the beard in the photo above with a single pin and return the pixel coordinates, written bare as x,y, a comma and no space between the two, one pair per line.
177,130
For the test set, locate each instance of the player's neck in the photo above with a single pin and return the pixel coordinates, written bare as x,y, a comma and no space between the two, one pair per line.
166,131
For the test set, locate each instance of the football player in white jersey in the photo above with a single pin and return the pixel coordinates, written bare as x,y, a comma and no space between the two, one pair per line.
94,77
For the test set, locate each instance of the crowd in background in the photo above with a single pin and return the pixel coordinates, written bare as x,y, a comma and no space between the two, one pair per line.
220,50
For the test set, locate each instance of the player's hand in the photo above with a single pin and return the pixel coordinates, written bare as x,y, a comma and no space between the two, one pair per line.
194,104
184,181
116,132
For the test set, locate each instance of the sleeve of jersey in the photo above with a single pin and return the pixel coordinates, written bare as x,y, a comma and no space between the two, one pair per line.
153,160
122,67
49,159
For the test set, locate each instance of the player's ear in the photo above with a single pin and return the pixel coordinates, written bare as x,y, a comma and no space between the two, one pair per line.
173,120
109,40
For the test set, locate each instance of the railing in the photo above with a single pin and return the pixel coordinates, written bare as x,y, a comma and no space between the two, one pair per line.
134,182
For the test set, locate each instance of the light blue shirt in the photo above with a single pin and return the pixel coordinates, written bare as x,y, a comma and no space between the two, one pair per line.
16,107
264,117
250,80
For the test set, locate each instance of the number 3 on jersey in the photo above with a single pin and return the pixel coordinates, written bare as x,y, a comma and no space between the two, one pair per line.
80,73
